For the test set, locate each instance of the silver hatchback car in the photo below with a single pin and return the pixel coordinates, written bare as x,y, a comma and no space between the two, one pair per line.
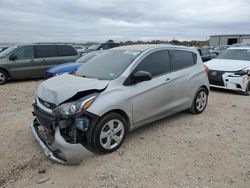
92,110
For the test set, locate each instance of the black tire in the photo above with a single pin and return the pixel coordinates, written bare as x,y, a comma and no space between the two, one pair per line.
3,77
102,124
196,109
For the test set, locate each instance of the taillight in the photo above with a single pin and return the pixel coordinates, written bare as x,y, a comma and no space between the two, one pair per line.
206,69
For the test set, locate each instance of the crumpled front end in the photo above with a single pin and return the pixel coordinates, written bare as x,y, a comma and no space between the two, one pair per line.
63,139
236,80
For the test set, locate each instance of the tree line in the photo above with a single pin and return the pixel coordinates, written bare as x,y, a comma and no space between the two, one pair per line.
198,43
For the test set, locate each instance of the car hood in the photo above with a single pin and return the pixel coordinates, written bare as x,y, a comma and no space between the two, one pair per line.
60,88
66,67
227,64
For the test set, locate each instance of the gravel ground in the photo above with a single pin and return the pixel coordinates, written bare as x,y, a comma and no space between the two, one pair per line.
207,150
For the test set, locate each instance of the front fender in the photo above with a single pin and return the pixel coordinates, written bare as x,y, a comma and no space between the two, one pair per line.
117,99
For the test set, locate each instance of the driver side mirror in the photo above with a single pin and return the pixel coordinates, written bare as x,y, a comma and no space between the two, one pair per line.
141,76
12,57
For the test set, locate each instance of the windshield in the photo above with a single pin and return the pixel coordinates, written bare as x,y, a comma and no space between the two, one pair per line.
236,54
86,57
94,47
108,65
220,48
7,51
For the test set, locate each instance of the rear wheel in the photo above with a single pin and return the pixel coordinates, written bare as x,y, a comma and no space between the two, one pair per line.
3,77
109,133
200,101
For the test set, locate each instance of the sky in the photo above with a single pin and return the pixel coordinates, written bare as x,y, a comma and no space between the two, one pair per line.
23,21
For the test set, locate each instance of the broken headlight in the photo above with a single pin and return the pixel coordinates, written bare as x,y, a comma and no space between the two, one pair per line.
242,72
74,107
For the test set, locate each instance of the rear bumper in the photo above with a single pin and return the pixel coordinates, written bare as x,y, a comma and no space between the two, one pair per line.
60,151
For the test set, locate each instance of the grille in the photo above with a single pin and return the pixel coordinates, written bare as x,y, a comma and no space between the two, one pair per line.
47,104
45,119
215,77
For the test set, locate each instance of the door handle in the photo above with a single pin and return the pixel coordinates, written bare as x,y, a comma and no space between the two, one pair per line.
168,79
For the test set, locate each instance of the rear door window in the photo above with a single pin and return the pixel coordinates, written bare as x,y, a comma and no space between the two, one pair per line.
182,59
156,63
64,50
45,51
24,53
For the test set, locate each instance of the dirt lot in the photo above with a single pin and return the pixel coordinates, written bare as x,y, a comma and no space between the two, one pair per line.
185,150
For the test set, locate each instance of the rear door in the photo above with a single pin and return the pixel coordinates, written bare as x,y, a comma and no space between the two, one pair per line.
46,57
183,77
22,63
154,97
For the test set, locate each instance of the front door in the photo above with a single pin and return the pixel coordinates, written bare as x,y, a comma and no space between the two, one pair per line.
22,63
154,97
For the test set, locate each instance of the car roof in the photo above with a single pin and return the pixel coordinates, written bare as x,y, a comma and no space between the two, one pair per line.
240,47
144,47
42,44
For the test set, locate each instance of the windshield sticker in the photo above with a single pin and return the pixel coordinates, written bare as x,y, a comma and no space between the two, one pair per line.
134,53
112,74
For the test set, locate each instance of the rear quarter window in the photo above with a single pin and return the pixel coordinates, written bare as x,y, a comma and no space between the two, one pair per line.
64,50
182,59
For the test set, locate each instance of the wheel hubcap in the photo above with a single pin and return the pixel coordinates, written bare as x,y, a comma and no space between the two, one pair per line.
112,134
201,100
2,77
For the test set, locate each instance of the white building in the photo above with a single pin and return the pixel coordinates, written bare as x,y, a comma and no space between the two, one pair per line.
216,40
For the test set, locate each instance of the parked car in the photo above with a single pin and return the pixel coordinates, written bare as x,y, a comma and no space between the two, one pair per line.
205,54
219,49
231,70
71,66
80,49
101,46
28,61
116,92
241,45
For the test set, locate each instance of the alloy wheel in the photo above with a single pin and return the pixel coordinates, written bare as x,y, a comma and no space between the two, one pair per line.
2,78
201,100
112,134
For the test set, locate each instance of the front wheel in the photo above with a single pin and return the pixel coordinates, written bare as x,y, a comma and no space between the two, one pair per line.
109,133
200,101
3,77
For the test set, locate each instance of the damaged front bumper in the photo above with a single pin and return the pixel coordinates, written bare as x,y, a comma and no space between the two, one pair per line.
228,80
60,151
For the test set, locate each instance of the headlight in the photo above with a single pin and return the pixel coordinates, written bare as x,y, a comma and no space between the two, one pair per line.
74,107
242,72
